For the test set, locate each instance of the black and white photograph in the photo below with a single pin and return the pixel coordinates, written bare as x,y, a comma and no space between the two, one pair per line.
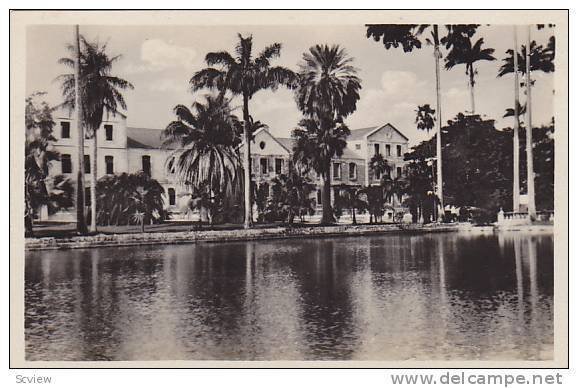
289,188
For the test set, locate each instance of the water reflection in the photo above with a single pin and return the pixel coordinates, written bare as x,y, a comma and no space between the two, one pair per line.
443,296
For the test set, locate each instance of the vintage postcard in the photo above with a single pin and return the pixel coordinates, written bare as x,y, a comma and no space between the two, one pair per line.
289,188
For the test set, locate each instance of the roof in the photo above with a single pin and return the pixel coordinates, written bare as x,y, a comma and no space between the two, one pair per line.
360,134
348,153
143,138
286,142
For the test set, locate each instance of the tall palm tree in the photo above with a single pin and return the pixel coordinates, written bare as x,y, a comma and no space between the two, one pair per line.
424,117
537,58
244,75
101,93
328,92
379,166
463,52
407,35
205,140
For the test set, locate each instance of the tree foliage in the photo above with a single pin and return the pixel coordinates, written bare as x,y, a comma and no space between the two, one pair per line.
39,188
122,196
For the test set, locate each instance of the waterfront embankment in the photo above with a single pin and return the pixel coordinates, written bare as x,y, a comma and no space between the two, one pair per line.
207,236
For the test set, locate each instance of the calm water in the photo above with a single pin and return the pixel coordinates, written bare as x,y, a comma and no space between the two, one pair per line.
442,296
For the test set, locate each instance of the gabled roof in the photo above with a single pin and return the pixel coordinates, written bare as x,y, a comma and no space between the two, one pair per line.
360,134
143,138
286,142
363,133
283,142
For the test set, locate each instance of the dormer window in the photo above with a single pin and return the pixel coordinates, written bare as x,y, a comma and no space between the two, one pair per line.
108,130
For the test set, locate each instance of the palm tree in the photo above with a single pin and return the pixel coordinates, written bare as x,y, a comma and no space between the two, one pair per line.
314,148
205,140
328,92
351,198
100,94
407,35
291,193
244,75
424,117
121,197
39,189
537,58
379,166
463,52
541,59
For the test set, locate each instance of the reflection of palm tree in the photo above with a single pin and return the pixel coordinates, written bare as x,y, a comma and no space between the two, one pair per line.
463,52
244,75
100,93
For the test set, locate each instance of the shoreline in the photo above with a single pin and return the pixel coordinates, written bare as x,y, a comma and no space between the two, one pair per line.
237,235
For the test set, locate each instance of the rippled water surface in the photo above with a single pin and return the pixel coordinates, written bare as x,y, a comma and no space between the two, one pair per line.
428,297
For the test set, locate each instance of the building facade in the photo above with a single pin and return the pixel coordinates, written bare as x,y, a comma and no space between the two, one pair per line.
131,149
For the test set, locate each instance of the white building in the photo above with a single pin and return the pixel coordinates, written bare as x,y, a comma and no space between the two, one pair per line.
130,149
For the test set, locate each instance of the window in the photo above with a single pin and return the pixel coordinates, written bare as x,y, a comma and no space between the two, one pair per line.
387,150
352,171
109,161
399,151
278,166
337,170
376,149
399,172
262,145
108,130
65,130
66,163
358,146
319,196
264,166
146,164
87,196
87,164
336,196
172,196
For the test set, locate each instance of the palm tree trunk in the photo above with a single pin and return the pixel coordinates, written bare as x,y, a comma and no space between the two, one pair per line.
93,179
472,83
247,163
80,216
516,145
327,217
437,56
353,216
529,152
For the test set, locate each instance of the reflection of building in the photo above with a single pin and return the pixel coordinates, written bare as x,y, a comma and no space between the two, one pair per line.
129,149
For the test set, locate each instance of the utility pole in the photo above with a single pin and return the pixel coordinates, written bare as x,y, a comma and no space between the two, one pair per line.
529,144
80,214
516,189
439,191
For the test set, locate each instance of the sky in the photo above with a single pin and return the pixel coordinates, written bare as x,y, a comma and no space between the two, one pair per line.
160,60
